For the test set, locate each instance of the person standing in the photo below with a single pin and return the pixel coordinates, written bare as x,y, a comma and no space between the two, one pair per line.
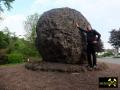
92,39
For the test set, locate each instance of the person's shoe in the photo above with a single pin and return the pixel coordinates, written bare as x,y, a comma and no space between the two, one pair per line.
95,67
90,68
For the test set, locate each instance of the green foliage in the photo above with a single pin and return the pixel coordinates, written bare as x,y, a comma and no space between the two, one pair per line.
15,58
104,54
4,40
30,27
14,49
30,52
3,56
107,54
17,50
114,39
24,47
6,3
116,57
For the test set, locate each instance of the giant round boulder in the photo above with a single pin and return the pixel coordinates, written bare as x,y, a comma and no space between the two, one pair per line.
58,39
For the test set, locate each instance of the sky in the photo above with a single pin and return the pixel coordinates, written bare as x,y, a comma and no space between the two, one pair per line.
103,15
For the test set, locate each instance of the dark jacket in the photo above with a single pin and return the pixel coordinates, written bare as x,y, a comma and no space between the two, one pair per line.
92,35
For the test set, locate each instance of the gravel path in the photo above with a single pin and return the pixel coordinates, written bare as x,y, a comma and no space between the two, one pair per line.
16,77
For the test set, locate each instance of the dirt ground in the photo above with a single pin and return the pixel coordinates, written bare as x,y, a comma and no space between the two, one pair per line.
17,77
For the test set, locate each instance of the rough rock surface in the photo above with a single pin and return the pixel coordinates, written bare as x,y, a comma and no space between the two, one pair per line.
60,67
58,39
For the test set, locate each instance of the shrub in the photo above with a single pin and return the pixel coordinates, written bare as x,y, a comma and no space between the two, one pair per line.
3,59
107,54
30,52
116,57
15,58
3,56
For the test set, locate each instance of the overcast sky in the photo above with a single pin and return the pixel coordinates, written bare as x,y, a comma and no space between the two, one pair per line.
104,15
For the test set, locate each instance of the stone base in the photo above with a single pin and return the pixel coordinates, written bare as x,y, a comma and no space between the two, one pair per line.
59,67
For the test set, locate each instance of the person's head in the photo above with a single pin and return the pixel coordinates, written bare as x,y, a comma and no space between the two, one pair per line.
89,28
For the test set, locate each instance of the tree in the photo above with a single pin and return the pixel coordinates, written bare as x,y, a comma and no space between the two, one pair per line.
114,39
4,40
30,27
6,3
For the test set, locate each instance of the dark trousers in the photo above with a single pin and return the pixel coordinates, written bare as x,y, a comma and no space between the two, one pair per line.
91,55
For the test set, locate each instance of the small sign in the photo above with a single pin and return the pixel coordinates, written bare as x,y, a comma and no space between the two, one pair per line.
108,82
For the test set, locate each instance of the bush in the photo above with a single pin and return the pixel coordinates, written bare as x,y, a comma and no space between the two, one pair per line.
116,57
30,52
15,58
3,59
107,54
3,56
